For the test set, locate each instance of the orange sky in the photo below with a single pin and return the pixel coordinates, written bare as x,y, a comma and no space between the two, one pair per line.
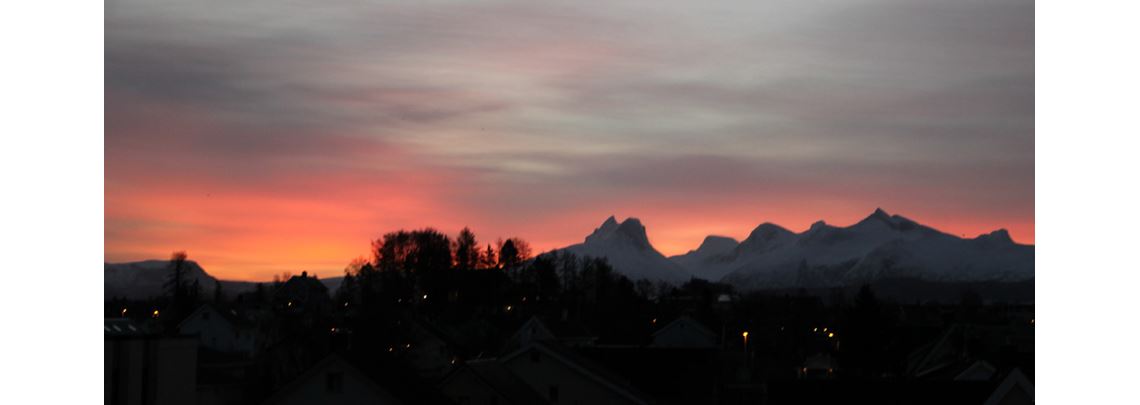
264,137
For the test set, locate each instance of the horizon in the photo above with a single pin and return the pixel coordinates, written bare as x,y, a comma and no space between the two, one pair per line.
338,271
264,136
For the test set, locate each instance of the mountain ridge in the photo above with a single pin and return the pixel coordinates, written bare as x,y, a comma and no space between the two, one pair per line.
880,245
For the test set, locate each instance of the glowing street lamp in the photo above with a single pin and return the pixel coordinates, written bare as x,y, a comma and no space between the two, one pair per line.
745,336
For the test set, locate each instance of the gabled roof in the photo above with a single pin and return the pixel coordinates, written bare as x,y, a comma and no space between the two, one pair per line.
531,331
685,322
978,371
332,359
583,366
499,379
1015,380
230,316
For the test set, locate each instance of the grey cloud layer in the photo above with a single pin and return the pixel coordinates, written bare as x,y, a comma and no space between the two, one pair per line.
632,97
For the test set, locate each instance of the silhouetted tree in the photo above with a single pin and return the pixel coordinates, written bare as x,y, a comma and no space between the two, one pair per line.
219,296
522,249
176,280
466,250
508,255
488,259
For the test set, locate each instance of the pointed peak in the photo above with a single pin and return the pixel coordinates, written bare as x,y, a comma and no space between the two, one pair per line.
879,216
607,226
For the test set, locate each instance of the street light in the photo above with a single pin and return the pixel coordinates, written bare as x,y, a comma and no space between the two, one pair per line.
745,336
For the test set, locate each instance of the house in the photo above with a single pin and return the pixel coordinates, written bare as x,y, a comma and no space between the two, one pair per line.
563,377
972,353
144,367
1015,389
488,382
333,381
685,332
429,351
818,366
224,331
302,296
568,333
532,330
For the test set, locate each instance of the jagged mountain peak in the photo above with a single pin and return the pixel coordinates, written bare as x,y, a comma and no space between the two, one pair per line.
879,215
630,230
626,246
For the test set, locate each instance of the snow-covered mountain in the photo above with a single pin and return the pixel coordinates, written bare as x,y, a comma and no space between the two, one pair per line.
879,246
709,260
626,247
145,279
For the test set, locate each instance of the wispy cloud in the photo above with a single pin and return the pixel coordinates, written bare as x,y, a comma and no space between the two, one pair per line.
246,131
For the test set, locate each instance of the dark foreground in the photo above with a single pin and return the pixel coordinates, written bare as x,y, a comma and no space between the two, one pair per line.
569,333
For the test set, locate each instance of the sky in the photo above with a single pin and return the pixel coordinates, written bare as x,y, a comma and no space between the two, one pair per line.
270,136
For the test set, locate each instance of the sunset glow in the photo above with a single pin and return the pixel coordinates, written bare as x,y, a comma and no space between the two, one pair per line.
288,143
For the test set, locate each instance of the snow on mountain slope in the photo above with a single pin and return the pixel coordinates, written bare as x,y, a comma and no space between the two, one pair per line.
991,257
879,246
627,248
715,250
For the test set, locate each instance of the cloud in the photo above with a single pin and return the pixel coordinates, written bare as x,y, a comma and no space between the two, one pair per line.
331,122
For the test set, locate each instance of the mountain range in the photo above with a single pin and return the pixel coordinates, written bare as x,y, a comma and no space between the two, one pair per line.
881,246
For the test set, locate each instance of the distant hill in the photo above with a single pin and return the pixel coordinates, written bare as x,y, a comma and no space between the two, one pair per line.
144,279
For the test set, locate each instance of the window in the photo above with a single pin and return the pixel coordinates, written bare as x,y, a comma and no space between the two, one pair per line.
334,382
552,393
